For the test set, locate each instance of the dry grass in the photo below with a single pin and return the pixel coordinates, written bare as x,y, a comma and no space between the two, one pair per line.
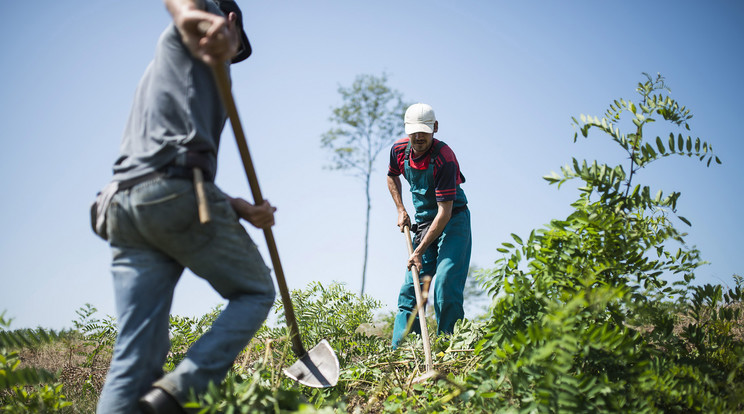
68,358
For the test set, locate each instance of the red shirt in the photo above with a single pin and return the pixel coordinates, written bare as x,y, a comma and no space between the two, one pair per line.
447,174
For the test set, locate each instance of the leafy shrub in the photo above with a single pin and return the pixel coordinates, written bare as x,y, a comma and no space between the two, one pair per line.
99,335
565,335
25,389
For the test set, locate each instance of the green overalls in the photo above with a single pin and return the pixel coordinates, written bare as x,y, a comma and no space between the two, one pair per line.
447,258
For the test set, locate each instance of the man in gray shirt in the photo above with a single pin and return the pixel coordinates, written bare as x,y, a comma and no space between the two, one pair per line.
153,226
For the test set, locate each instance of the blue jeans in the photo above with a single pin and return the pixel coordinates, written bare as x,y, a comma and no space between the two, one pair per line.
448,259
155,233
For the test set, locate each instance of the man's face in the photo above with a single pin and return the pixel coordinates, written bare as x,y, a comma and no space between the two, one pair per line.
420,142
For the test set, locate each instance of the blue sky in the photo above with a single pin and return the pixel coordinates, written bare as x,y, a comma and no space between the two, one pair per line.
505,78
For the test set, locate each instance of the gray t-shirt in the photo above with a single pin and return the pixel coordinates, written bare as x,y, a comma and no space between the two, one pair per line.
176,109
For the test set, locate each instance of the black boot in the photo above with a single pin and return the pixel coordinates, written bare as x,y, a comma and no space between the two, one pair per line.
157,401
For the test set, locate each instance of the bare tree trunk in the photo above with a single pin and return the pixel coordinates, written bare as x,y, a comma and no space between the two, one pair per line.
366,234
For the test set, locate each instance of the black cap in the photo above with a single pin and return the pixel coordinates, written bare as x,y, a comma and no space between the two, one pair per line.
228,6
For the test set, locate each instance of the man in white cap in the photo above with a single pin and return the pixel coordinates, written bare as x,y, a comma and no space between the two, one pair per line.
443,240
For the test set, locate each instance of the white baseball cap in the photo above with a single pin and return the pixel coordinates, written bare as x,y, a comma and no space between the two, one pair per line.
419,118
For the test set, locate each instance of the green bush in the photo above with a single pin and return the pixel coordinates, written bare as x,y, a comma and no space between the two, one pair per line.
587,321
26,389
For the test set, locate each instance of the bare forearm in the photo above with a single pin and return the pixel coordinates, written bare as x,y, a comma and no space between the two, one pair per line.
260,216
394,187
177,7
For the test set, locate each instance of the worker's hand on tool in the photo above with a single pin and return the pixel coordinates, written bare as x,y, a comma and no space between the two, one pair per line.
403,220
209,37
260,216
415,260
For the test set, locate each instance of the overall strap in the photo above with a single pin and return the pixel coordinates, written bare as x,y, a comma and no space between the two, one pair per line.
406,162
435,152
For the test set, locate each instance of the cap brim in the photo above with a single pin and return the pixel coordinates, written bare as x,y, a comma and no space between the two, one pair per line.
245,45
414,128
245,48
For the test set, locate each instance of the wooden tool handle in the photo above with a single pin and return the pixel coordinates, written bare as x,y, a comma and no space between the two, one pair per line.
223,85
201,196
420,301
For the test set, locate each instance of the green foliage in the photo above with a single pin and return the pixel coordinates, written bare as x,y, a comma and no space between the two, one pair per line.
99,335
652,105
333,313
585,320
249,392
43,399
23,389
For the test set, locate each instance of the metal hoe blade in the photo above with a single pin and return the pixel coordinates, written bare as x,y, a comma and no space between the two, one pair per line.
318,368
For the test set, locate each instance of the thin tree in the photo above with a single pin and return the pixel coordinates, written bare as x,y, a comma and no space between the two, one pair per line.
367,122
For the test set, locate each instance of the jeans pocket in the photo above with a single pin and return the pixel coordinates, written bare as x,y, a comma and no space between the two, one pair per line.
168,217
120,225
115,223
